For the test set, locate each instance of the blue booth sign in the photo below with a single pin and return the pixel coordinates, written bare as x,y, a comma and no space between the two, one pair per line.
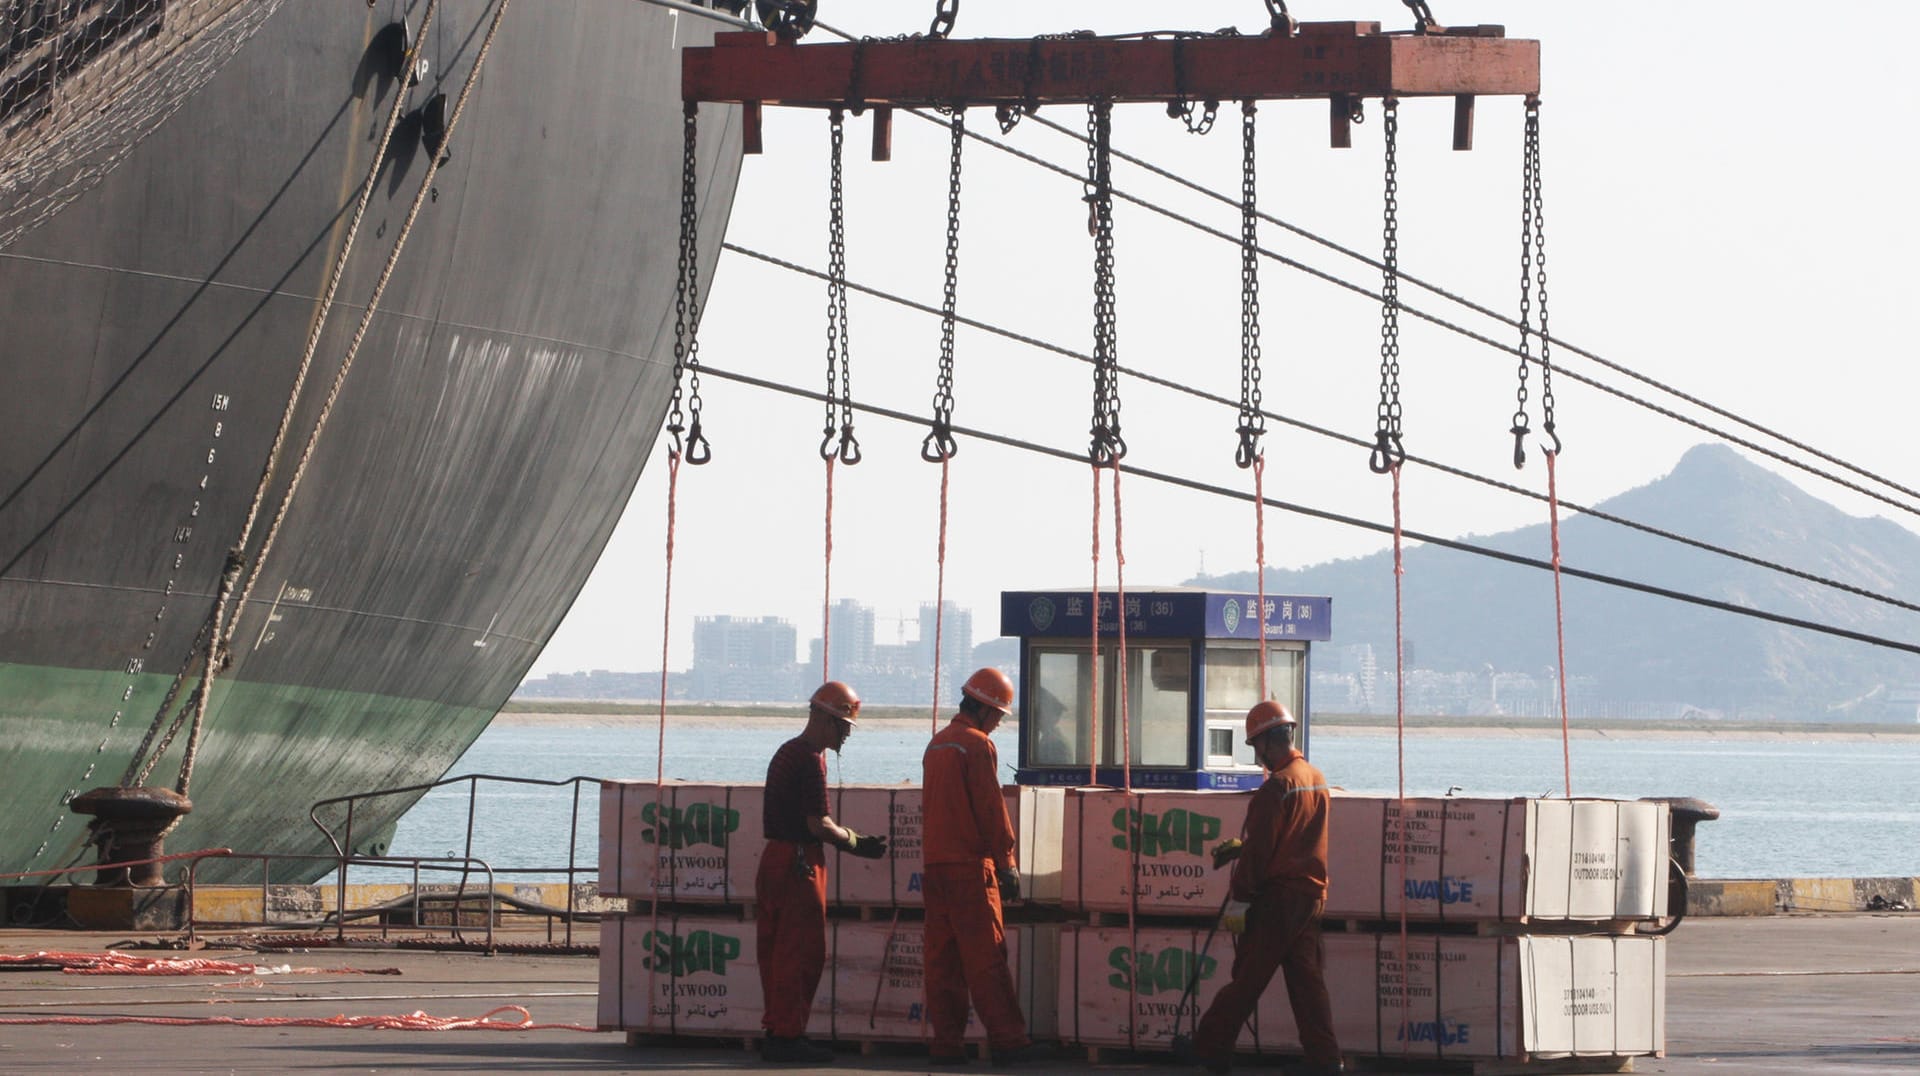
1166,614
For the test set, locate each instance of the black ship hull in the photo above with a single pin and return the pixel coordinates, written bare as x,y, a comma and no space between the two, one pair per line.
509,390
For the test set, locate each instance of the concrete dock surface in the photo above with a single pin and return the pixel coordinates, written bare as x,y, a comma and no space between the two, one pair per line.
1784,994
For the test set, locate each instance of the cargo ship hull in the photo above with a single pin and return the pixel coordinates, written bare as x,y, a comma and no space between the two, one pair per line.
509,389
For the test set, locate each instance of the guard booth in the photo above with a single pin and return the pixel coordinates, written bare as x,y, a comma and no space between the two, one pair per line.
1192,671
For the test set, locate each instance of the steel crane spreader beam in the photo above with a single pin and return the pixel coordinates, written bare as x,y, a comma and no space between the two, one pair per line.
1340,62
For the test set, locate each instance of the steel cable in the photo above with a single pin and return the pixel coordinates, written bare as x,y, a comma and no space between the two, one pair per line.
1485,311
1301,424
1199,486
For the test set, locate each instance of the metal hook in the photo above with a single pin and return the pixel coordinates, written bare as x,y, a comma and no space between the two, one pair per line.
1548,426
939,445
1388,453
849,448
1519,431
699,451
1249,449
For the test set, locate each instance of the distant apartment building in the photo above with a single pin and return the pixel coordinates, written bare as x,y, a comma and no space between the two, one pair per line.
744,659
850,628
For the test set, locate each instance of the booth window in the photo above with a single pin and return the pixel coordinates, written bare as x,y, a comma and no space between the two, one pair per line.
1233,686
1159,684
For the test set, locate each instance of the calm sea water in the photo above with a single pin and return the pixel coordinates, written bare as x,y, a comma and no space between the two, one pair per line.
1799,808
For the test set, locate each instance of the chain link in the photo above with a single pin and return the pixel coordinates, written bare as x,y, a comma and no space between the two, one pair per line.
1277,13
839,358
944,13
1519,429
1107,446
1180,108
1539,208
686,305
940,444
1388,452
1253,421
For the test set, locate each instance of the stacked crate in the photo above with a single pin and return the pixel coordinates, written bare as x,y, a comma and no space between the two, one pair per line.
1519,913
688,854
1518,943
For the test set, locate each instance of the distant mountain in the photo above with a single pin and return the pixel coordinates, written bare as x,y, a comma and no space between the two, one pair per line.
1466,613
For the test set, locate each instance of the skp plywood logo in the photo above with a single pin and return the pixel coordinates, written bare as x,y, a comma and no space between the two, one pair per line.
1176,830
683,827
684,954
1146,972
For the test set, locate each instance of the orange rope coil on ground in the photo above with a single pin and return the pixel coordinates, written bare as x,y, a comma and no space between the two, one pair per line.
413,1021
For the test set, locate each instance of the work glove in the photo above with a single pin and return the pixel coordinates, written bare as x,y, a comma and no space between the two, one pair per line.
865,847
1226,852
1008,880
1233,917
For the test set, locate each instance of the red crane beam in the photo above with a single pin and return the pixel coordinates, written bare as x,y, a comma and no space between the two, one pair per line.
1339,62
1322,60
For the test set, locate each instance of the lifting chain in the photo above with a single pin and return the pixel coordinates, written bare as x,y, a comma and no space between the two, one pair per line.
839,359
686,306
944,13
1180,108
1388,453
940,444
1423,20
1539,207
1107,446
1533,275
1253,423
1008,116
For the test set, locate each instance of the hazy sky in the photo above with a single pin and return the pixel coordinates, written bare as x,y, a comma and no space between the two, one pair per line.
1730,210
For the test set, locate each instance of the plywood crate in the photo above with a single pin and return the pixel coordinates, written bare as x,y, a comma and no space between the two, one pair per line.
896,881
1488,860
875,988
1472,860
1455,998
1158,843
1597,859
715,836
679,975
703,979
688,843
1128,989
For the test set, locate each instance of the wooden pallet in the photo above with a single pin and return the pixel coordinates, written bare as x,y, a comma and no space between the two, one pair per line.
1489,1066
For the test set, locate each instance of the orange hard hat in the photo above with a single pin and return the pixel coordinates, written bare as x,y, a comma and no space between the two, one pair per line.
1266,716
990,687
836,699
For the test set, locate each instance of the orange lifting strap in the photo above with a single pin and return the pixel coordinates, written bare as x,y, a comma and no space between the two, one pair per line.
1338,62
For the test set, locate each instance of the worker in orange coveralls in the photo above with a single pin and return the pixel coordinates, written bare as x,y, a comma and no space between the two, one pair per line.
1281,876
792,882
967,845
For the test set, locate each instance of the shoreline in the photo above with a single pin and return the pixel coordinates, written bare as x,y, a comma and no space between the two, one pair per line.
637,716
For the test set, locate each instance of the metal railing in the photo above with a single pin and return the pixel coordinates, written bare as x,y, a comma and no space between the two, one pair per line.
341,913
343,842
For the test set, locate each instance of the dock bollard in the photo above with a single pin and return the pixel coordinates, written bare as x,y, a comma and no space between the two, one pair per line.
1688,813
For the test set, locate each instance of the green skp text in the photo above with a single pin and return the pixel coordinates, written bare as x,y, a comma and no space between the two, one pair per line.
696,823
1177,830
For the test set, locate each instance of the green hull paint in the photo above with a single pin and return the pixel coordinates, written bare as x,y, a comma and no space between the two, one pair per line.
267,754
